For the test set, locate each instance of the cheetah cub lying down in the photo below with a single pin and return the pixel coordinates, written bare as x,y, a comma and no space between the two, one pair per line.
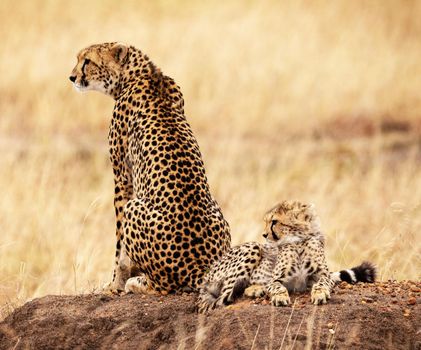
291,260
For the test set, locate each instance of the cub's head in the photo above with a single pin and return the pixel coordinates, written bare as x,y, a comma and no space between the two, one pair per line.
99,67
291,221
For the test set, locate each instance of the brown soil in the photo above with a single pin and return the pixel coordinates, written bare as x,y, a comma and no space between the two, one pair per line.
384,315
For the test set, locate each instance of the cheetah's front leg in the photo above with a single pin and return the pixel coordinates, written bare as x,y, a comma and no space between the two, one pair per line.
276,289
123,265
279,294
122,271
320,291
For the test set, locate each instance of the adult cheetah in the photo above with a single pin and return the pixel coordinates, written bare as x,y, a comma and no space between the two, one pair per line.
169,227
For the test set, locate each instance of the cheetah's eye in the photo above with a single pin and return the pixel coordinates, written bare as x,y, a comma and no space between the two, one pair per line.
287,226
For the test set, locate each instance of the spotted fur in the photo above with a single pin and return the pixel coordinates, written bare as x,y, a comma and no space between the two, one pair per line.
169,227
291,260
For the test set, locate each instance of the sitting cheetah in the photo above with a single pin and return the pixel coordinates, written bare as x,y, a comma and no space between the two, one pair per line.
291,260
169,228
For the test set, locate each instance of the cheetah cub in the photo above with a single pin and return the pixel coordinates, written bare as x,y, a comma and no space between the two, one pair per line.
291,260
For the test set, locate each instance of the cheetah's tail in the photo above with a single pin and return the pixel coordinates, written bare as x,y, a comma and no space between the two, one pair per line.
366,272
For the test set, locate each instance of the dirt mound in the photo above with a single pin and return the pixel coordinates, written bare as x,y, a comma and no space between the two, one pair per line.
377,316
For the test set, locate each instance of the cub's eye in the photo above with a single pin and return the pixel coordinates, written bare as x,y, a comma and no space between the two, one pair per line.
287,226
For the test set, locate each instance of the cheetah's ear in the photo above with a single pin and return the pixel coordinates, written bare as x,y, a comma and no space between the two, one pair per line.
119,52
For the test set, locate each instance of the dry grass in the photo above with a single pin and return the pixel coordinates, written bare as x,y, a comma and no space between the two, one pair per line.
296,99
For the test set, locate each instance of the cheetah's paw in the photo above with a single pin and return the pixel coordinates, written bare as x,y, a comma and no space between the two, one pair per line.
320,295
281,299
255,291
204,305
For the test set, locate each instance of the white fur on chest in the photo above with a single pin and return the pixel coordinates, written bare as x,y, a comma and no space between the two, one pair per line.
298,281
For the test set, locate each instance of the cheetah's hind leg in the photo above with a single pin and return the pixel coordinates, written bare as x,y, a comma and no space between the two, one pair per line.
232,291
208,296
220,293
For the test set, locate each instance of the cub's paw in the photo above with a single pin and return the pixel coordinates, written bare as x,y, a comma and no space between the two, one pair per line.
255,291
320,295
281,299
203,305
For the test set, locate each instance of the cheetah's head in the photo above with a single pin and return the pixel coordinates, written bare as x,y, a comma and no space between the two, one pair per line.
99,67
291,221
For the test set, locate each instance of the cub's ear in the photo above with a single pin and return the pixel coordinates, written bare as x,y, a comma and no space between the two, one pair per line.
311,206
119,52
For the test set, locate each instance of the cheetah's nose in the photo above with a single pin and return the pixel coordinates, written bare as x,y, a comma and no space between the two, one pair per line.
72,78
265,235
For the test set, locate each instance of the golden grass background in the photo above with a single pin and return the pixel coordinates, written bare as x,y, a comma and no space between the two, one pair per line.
311,100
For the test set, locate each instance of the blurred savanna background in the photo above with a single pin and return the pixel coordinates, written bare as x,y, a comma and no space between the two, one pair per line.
312,100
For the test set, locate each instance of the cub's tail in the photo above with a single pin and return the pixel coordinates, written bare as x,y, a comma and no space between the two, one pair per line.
366,272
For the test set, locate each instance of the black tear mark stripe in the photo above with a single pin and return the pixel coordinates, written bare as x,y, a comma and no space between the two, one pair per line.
85,62
273,232
83,79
